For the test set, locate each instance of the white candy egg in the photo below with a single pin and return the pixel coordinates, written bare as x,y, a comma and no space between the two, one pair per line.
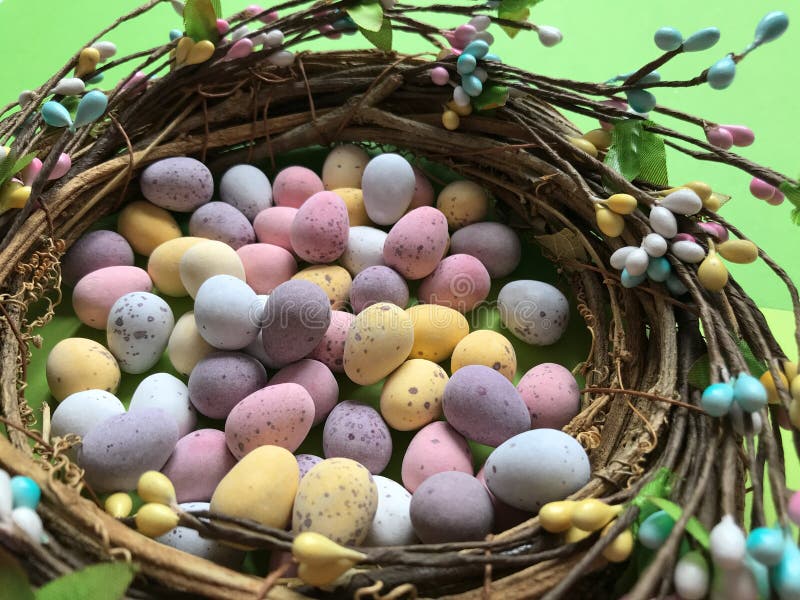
620,256
727,544
364,249
683,202
688,252
391,525
188,540
28,520
636,262
654,244
388,187
691,576
226,311
170,394
138,329
663,222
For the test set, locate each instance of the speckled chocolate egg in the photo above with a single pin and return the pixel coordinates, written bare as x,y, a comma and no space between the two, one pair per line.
163,266
180,184
435,448
226,312
344,167
388,186
306,461
355,430
278,415
334,280
537,467
222,222
451,507
317,380
118,450
423,191
202,261
95,250
78,413
199,462
96,293
378,284
463,203
223,379
437,331
266,266
484,406
354,201
78,364
497,246
190,541
186,346
294,185
378,342
460,282
364,249
412,396
534,311
171,395
146,226
320,228
391,525
337,498
416,243
261,487
294,321
138,329
274,226
488,348
246,188
551,394
505,515
330,350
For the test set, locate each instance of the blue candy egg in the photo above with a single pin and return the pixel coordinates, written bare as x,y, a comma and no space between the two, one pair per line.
721,73
641,101
345,25
96,79
668,38
765,544
749,393
476,48
55,115
675,285
466,64
717,399
760,575
771,27
701,40
631,281
493,57
25,492
91,107
786,574
472,85
655,529
174,34
659,269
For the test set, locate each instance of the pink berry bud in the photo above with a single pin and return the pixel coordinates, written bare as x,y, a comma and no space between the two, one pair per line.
719,137
715,230
741,134
440,75
761,189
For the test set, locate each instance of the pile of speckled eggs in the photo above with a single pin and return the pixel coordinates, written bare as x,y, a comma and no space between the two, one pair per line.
301,293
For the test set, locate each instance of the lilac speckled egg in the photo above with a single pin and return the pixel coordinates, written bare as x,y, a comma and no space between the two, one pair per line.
226,312
460,282
320,228
505,515
417,243
295,320
330,350
423,191
534,311
277,415
266,266
306,461
138,329
190,541
435,448
96,293
451,507
199,462
222,222
295,185
551,394
274,226
168,393
118,450
484,406
95,250
357,431
378,284
180,184
364,249
388,187
78,413
496,245
317,380
246,188
223,379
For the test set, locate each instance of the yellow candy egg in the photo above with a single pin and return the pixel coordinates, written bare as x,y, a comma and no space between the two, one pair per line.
412,395
437,331
343,168
599,138
575,535
200,52
609,222
334,280
154,519
701,188
321,560
790,369
119,505
354,201
622,204
794,388
87,61
556,517
154,486
146,226
451,120
378,341
186,347
485,347
714,202
769,384
620,549
163,265
592,514
712,273
584,145
461,111
77,364
14,195
463,203
205,260
738,251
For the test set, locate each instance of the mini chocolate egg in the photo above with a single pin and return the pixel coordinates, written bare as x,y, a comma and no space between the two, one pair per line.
344,167
246,188
222,222
451,507
496,245
416,243
221,380
460,282
138,329
78,413
95,250
279,415
378,284
423,191
96,293
320,228
266,266
551,394
274,226
198,463
190,541
364,249
437,331
391,525
317,380
357,431
435,448
534,311
488,348
378,342
337,498
388,186
78,364
202,261
412,395
261,487
354,201
171,395
536,467
484,406
163,266
505,516
294,185
330,350
334,280
186,346
180,184
146,226
226,312
463,203
306,461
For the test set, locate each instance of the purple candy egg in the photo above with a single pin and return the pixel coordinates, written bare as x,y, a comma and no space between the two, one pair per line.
222,379
95,250
378,284
199,462
222,222
306,462
357,431
180,184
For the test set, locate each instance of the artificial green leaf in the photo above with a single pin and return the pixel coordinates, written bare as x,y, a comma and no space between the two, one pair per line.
367,15
7,167
23,162
653,158
13,579
492,96
105,581
515,10
693,526
623,155
700,373
795,216
792,192
382,38
200,20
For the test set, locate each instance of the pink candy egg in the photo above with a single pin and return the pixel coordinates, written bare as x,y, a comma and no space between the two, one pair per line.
684,237
295,185
463,35
222,26
96,293
274,226
794,508
320,228
460,282
62,167
435,448
713,229
551,394
317,380
416,243
30,172
198,463
239,49
740,134
619,105
266,266
440,75
330,351
719,137
761,189
423,191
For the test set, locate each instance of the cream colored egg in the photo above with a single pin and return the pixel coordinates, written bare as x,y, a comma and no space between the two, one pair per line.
186,347
334,280
164,262
146,226
463,203
378,342
412,395
437,330
78,364
205,260
354,201
344,166
488,348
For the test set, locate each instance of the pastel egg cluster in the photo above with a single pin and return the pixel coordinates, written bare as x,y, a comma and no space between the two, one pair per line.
19,498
